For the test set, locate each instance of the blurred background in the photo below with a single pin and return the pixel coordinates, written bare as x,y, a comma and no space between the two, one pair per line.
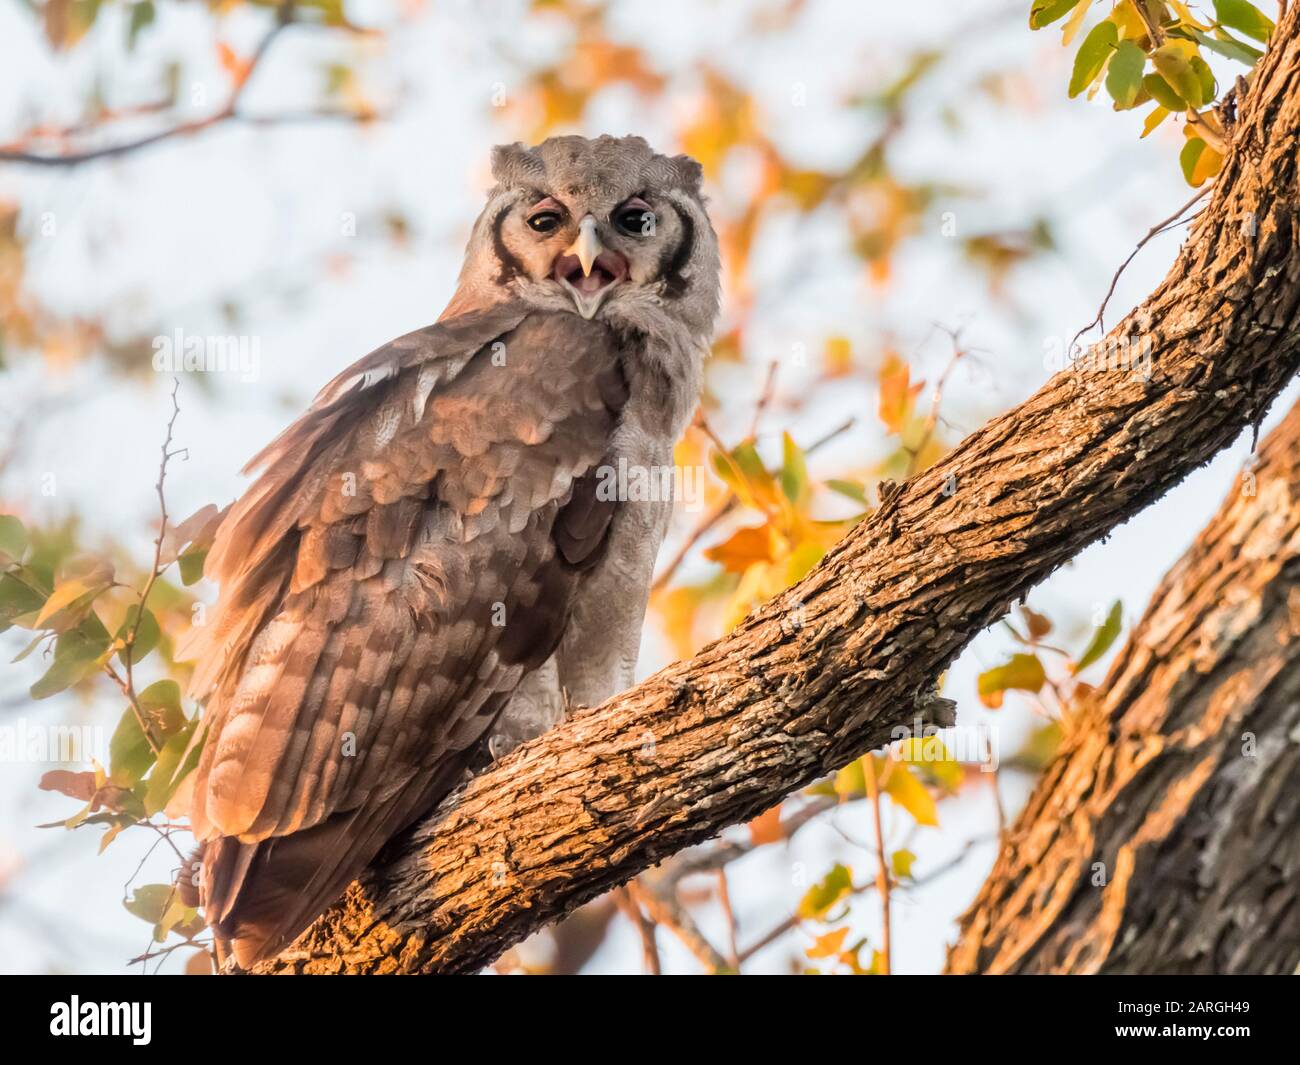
915,220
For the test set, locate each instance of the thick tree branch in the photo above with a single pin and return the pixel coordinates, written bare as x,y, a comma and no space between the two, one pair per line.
837,664
1165,837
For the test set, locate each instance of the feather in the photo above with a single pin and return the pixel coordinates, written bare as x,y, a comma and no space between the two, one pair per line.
361,664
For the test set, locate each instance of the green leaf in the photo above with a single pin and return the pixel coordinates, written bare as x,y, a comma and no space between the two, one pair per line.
129,753
1109,629
16,599
1225,44
169,771
13,538
1162,92
76,654
1188,158
146,635
822,896
142,16
161,702
1124,78
1209,88
794,471
1243,16
1045,12
902,861
191,566
1023,672
1174,63
155,903
1092,55
850,490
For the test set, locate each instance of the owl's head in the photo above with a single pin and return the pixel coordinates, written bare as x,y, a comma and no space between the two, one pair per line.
606,228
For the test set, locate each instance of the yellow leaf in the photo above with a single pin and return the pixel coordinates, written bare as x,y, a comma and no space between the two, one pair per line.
1207,165
819,898
1186,16
91,577
902,862
829,945
906,790
931,756
1072,24
1158,115
1022,672
838,357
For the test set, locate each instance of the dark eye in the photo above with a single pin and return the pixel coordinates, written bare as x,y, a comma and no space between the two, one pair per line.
544,221
635,221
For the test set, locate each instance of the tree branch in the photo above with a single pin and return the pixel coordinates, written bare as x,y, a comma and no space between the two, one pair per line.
841,662
1163,837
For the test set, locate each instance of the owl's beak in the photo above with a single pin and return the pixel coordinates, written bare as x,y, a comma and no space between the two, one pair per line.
588,246
587,270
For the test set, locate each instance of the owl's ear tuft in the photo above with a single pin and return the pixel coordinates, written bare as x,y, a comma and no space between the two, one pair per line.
515,164
689,172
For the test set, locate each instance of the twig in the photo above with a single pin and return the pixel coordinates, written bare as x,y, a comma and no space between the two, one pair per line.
1156,34
1153,232
692,863
128,657
645,928
792,922
936,400
764,398
882,867
997,803
665,910
724,897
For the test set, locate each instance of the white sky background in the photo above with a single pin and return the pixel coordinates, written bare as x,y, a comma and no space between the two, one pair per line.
163,235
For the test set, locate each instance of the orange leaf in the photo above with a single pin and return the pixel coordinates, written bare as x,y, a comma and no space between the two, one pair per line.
766,827
745,547
897,393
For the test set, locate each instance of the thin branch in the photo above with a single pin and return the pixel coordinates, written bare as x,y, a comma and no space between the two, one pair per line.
645,928
665,910
285,16
1153,232
882,860
724,898
127,683
936,401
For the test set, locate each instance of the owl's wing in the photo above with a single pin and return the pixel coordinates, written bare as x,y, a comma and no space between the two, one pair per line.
408,554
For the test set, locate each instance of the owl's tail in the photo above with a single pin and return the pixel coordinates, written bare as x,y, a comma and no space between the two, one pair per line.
260,896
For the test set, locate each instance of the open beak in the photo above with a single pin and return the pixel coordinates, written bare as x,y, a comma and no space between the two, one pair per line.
588,246
588,270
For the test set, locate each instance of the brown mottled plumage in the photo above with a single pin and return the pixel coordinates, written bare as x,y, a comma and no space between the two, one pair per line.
427,558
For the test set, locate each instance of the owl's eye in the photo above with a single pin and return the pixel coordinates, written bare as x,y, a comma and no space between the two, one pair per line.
635,219
544,221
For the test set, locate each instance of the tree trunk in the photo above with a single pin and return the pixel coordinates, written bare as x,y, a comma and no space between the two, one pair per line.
1165,836
840,663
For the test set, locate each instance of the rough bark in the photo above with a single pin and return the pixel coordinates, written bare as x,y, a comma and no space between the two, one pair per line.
1165,836
834,666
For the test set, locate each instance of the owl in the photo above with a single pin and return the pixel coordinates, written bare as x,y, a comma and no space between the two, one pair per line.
434,560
